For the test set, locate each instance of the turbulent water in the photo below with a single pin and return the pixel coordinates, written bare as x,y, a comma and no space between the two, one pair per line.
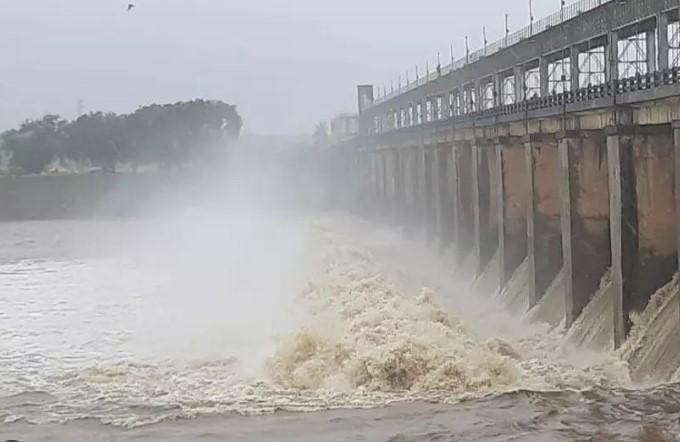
273,326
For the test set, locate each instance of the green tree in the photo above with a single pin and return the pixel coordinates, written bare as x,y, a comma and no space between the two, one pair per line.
35,144
97,138
166,135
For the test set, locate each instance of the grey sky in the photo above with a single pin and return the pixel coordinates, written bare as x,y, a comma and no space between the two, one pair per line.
286,63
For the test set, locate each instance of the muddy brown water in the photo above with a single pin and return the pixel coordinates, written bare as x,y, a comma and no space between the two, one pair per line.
161,330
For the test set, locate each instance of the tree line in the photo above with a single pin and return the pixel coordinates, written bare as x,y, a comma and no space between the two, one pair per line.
170,135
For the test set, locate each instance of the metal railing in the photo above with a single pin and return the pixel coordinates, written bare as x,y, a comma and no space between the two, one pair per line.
569,12
640,82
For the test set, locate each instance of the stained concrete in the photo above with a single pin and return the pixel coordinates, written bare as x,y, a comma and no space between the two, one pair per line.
654,182
585,218
465,235
544,240
512,206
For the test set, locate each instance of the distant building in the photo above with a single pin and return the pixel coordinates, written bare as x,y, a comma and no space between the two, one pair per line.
344,126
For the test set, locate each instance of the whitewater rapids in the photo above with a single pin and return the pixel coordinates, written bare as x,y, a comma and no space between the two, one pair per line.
368,320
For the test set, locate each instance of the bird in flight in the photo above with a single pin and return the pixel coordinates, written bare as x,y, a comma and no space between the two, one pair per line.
130,7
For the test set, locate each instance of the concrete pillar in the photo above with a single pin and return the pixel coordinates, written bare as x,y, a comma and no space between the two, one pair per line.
430,193
497,86
575,299
445,221
543,243
531,221
585,236
544,77
374,180
484,235
382,182
656,257
454,189
438,192
519,83
465,215
391,179
503,274
650,38
410,187
574,71
676,156
404,183
612,71
423,205
397,202
622,226
476,207
662,41
511,193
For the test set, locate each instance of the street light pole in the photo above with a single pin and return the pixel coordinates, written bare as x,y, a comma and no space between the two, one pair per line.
484,36
467,51
507,29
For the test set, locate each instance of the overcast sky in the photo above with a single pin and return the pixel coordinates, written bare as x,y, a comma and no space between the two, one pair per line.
286,63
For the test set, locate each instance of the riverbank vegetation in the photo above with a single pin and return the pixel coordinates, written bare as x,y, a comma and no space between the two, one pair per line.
171,135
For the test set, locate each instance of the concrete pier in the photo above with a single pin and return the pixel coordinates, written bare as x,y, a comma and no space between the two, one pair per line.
467,242
512,194
544,244
584,210
485,220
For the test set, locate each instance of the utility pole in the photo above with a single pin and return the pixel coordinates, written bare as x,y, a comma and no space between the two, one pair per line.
507,29
531,18
484,36
467,50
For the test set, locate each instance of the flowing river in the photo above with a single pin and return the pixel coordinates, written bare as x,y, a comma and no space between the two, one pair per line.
272,326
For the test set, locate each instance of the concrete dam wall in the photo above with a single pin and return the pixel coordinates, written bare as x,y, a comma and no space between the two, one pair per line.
564,180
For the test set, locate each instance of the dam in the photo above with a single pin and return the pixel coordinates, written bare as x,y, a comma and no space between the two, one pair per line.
487,253
550,157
